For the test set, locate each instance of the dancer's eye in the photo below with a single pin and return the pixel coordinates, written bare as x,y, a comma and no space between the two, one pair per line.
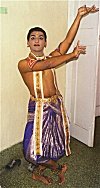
32,38
41,38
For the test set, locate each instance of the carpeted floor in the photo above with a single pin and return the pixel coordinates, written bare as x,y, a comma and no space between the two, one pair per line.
83,167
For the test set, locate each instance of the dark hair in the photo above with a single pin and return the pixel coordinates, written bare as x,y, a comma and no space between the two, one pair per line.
36,29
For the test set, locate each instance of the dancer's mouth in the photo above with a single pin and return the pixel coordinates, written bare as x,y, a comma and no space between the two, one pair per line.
36,45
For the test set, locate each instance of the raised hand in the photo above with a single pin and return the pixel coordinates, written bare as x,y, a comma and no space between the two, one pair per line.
84,10
79,49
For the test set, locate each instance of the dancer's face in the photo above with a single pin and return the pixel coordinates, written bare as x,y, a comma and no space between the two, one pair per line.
37,41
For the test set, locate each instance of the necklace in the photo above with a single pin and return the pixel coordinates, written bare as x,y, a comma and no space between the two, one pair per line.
37,57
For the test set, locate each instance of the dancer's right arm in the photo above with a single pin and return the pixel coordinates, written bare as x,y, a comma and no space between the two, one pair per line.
51,62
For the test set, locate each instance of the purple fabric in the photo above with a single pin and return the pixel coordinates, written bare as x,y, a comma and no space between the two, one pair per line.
53,137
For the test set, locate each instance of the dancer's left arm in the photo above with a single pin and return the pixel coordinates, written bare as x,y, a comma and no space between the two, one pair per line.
66,43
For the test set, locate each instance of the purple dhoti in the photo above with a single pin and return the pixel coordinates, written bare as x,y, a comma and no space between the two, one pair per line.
46,135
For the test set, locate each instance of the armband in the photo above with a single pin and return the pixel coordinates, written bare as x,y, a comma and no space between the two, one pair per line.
31,62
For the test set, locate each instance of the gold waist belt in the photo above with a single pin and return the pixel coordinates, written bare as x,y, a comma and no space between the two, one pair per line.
48,100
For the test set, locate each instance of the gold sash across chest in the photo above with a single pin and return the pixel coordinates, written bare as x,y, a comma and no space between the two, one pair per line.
37,132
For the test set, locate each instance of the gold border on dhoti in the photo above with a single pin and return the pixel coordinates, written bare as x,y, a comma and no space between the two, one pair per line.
66,129
37,134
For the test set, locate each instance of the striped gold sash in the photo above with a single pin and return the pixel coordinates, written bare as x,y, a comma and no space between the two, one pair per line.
37,132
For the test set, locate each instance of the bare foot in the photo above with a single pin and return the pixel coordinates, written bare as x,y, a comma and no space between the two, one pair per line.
41,169
48,178
61,174
41,179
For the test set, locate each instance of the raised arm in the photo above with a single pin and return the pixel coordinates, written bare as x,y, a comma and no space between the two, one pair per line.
51,62
66,43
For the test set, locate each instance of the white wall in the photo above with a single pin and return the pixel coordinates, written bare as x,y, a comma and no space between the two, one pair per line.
20,17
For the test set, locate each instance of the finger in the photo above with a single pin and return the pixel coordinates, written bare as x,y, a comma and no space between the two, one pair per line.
82,51
82,47
86,8
90,9
93,9
78,43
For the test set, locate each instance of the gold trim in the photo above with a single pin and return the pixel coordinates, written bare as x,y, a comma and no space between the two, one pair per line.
38,128
66,130
48,100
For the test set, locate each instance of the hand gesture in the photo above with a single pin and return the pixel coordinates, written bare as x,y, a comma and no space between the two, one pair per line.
83,11
79,49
